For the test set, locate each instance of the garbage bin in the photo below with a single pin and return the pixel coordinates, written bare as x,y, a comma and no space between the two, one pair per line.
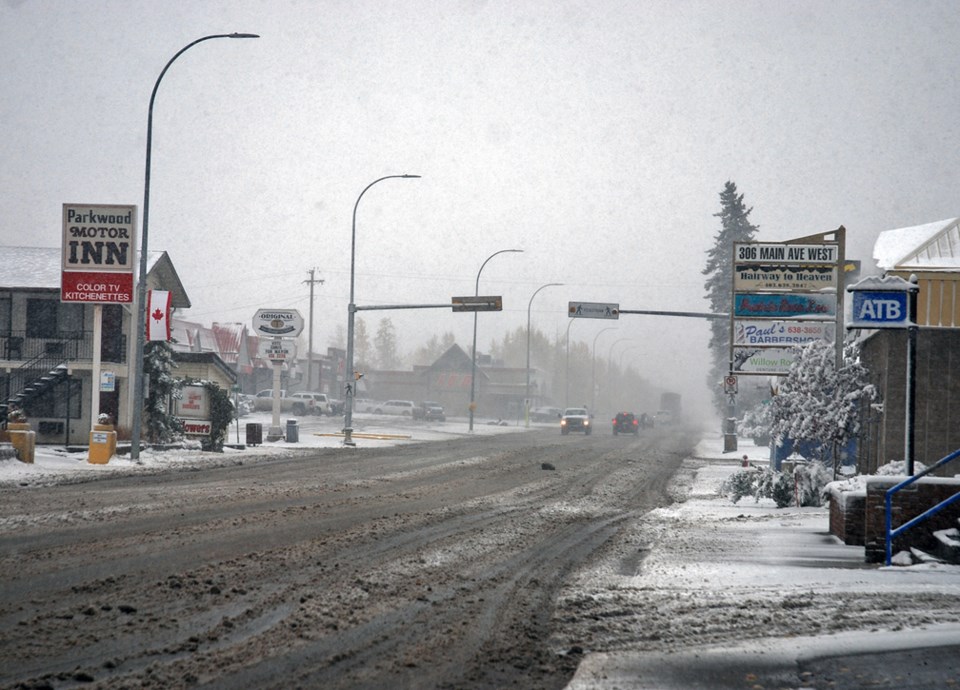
293,431
254,434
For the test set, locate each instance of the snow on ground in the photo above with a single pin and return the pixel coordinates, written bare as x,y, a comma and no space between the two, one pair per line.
56,465
706,576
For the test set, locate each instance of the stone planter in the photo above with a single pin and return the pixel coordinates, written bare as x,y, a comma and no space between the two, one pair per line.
103,444
23,439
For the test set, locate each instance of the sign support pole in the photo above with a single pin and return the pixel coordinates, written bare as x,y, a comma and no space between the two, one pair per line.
95,371
276,433
908,431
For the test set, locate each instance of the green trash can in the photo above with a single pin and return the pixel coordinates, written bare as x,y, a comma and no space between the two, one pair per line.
293,431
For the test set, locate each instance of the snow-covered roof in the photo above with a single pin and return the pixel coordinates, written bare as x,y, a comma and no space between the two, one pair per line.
928,247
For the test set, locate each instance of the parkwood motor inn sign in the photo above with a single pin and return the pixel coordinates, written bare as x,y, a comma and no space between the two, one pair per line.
99,253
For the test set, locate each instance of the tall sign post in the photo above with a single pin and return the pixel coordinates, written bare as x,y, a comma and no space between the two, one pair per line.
784,294
891,303
280,327
99,250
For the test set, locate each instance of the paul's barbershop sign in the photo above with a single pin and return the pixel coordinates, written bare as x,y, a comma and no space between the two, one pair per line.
99,253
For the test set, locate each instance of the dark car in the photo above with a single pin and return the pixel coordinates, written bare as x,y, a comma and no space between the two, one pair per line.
430,411
626,423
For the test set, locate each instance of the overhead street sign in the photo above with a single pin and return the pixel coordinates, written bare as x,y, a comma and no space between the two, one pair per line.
593,310
477,303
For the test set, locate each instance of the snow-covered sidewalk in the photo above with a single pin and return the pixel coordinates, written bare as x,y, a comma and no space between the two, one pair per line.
718,580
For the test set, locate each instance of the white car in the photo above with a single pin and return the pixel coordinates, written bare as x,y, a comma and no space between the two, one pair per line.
306,402
575,419
397,407
364,405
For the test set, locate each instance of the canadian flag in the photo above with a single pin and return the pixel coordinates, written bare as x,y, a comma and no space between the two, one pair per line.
158,315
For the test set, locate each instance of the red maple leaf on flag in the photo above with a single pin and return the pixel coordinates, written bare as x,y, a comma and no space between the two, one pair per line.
157,314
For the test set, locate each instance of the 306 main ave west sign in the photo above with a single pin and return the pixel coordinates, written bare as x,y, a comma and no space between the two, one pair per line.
99,253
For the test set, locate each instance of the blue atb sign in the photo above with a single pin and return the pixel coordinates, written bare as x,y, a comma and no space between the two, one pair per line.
880,309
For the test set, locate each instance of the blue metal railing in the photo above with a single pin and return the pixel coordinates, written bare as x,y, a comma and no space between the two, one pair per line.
892,533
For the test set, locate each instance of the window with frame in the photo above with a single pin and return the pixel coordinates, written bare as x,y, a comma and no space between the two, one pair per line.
6,314
50,318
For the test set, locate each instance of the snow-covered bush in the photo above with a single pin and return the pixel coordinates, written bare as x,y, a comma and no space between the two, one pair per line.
759,483
807,483
739,484
818,404
756,423
811,480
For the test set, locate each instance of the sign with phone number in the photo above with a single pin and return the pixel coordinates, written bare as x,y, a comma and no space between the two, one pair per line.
781,333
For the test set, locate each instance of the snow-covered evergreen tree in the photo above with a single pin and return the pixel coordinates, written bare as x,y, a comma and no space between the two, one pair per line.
735,226
161,425
815,403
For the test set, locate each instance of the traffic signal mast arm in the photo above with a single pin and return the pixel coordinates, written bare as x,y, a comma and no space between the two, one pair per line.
694,314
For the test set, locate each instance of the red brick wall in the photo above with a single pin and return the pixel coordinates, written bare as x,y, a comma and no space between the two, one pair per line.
907,504
847,515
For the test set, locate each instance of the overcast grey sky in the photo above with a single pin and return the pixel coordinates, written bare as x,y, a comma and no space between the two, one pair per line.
595,135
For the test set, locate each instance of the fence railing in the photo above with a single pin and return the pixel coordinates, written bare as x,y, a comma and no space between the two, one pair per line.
888,498
17,346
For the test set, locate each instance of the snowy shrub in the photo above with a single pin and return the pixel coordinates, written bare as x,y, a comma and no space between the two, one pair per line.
739,484
807,483
818,404
811,480
756,424
775,485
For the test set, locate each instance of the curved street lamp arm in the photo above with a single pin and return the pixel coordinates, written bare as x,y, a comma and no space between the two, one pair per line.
502,251
137,364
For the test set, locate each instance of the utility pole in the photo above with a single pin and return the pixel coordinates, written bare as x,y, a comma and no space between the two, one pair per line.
310,331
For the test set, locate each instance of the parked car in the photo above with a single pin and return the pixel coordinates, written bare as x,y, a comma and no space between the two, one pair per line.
263,401
575,419
403,408
364,405
545,414
626,423
306,402
429,411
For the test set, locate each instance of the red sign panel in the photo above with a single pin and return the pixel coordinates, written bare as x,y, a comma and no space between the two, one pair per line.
96,288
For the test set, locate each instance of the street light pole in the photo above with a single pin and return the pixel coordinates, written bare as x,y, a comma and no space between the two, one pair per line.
593,373
566,375
527,394
140,306
473,358
351,312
